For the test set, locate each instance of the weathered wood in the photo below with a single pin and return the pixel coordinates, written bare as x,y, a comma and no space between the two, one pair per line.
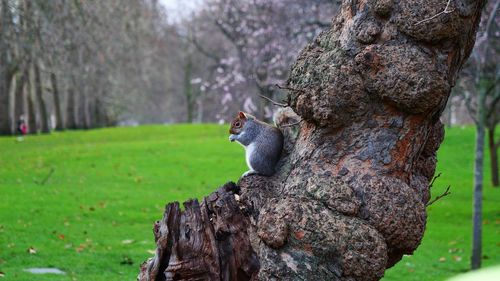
203,242
349,198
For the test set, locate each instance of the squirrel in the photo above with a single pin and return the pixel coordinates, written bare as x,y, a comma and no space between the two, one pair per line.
263,143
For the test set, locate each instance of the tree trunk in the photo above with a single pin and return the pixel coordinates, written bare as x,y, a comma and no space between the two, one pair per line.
32,128
83,114
57,102
188,89
71,119
493,156
5,81
477,212
88,119
19,96
348,200
99,119
44,118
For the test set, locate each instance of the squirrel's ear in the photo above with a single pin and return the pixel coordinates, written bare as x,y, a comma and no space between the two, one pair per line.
242,115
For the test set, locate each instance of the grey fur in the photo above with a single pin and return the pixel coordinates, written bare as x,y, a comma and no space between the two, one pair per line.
267,141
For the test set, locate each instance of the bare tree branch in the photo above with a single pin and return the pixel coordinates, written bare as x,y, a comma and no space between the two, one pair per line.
274,102
291,124
445,11
445,193
289,89
434,179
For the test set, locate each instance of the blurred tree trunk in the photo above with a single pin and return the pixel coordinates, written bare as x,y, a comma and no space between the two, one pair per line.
81,110
44,118
57,102
5,80
83,120
200,103
71,119
477,213
349,199
493,156
99,118
188,89
31,118
19,96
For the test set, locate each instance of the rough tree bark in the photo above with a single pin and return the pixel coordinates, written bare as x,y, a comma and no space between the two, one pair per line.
348,200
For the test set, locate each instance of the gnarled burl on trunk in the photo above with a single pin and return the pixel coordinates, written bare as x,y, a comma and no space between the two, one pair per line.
348,200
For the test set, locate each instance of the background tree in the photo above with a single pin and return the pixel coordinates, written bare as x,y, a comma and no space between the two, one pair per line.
480,81
251,45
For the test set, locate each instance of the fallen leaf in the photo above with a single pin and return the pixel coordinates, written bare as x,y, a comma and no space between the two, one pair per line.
2,274
457,258
127,241
61,236
31,250
442,259
80,248
455,250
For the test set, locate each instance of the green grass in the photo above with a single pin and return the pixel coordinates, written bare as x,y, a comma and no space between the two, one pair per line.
93,217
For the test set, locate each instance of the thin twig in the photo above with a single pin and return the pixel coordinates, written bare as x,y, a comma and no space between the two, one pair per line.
292,124
445,193
434,179
287,88
47,177
445,11
274,102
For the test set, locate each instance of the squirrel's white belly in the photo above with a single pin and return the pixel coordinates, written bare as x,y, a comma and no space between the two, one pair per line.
249,150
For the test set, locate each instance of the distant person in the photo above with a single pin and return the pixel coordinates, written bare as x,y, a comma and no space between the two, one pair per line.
22,129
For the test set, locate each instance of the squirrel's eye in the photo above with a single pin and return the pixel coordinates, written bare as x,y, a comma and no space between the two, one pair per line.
237,124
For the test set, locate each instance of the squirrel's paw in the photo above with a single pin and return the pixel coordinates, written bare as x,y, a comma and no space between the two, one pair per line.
249,173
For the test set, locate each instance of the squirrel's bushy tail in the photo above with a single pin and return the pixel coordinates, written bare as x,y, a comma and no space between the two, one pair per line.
288,122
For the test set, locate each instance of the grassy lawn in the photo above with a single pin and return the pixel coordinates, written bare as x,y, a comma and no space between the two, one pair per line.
92,217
